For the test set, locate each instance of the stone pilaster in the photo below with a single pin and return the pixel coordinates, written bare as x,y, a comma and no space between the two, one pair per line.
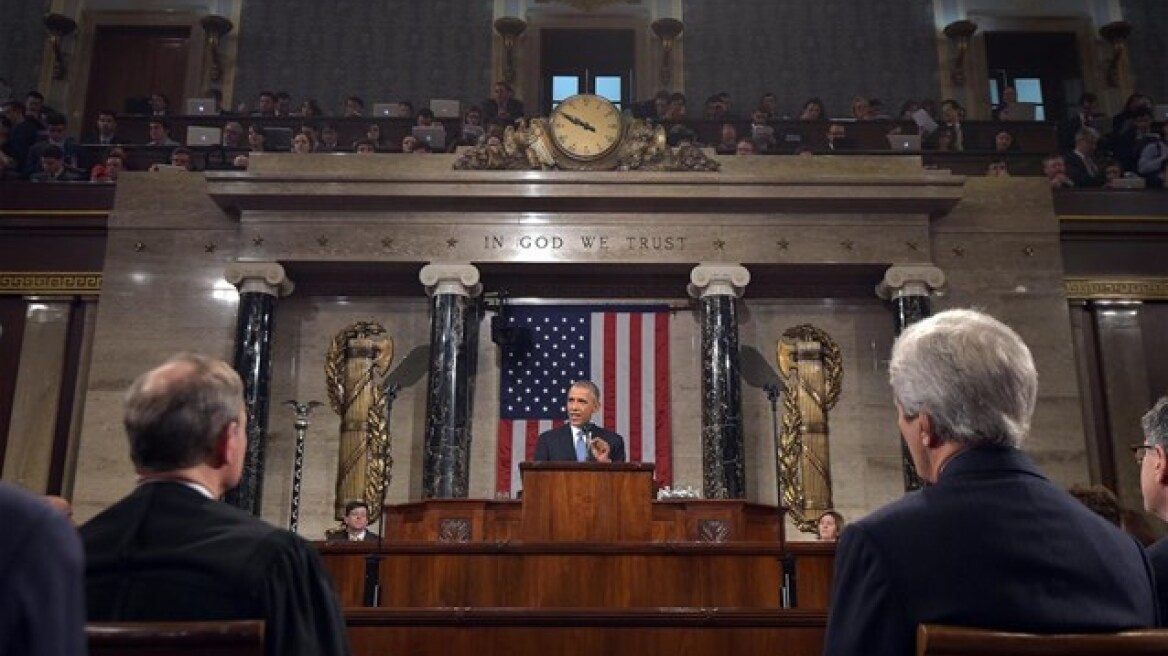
259,284
718,286
453,336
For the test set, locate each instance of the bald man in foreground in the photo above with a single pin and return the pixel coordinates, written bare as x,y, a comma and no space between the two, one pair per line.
171,551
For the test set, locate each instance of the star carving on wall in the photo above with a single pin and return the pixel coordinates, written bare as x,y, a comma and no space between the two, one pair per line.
139,246
720,244
322,240
783,244
1028,251
451,243
257,241
913,245
209,248
386,242
848,244
959,251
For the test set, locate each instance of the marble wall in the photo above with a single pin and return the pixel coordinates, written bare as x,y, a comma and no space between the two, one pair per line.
22,44
834,49
164,291
1148,47
381,51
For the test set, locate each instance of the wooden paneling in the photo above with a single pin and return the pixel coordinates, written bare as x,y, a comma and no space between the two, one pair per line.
633,632
585,502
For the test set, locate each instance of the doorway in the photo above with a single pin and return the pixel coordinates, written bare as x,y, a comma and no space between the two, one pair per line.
599,61
1043,67
132,62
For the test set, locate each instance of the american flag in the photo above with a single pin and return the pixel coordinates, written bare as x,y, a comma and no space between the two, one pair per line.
624,350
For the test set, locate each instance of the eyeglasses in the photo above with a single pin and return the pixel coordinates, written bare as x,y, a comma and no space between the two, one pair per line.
1141,451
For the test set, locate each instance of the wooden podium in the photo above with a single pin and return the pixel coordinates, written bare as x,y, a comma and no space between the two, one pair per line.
586,562
586,502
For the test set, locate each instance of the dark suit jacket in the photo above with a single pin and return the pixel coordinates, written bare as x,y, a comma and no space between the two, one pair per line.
491,109
342,535
558,444
42,608
1078,173
168,553
993,544
1158,554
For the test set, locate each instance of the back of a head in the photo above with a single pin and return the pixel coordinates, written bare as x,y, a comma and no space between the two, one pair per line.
1100,500
970,373
175,412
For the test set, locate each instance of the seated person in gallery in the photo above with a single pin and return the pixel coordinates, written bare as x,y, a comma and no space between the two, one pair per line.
581,440
172,551
356,525
989,541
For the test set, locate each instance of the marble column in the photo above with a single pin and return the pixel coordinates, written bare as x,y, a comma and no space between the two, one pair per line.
909,287
453,338
259,284
718,286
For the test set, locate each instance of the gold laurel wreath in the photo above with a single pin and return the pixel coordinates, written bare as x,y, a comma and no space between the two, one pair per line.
791,426
377,439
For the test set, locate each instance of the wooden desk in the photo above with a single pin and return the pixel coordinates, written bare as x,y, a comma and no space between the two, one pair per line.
135,128
585,632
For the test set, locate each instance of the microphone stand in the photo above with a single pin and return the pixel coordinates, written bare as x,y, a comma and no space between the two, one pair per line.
787,591
373,561
303,412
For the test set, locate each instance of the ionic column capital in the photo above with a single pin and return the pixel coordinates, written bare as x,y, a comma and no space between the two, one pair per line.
714,279
450,278
911,280
263,277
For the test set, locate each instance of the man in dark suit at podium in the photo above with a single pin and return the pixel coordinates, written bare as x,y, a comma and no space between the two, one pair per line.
580,439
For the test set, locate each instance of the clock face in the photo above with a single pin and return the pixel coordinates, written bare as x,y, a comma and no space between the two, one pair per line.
586,127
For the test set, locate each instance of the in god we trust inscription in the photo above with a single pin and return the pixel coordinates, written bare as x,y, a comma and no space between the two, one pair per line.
585,243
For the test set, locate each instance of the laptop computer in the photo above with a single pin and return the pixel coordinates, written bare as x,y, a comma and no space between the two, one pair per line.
434,136
201,106
198,135
390,110
278,139
446,108
909,143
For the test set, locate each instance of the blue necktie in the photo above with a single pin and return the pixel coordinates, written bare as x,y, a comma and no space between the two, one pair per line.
581,447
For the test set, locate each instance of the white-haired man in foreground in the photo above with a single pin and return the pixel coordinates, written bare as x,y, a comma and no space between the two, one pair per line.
990,542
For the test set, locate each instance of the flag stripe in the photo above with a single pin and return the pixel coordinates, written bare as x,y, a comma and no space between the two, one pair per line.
609,390
635,428
663,454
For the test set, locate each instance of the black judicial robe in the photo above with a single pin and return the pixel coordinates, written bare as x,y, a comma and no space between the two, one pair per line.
168,553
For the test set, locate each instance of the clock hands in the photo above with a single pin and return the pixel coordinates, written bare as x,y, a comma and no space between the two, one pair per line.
579,122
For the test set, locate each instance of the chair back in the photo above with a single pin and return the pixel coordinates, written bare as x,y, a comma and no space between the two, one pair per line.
234,638
937,640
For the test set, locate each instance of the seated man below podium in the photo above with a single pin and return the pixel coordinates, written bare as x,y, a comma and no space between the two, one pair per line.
356,528
580,439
